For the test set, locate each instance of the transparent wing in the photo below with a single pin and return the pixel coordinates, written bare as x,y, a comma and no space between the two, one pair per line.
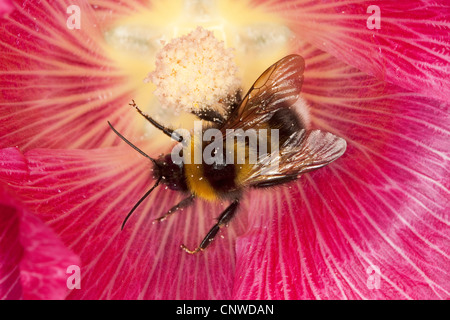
304,151
278,87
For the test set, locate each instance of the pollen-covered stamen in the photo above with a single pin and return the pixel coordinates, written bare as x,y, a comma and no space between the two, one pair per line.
195,71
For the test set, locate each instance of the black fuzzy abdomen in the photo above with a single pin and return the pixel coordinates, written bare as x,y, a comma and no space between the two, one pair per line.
287,122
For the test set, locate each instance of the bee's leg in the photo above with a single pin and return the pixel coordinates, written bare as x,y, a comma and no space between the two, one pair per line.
182,204
166,130
223,220
209,115
275,182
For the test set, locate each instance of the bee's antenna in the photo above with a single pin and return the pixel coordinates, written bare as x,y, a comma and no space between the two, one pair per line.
132,145
140,201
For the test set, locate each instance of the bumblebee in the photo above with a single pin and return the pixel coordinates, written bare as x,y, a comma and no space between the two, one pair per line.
268,105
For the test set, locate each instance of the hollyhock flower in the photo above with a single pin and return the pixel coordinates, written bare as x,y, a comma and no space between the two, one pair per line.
372,225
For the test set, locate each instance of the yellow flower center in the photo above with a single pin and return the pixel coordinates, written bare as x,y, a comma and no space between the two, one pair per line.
258,40
194,72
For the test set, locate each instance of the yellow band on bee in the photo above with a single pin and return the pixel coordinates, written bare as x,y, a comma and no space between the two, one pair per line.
195,179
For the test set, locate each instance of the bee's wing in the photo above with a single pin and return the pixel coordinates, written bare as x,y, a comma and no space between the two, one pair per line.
304,151
278,87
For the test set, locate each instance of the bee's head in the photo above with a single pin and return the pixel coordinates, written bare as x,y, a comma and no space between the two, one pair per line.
171,174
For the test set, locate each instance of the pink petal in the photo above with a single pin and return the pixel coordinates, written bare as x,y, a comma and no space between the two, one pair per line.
411,48
11,252
33,261
110,11
383,205
46,261
5,7
85,195
58,86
